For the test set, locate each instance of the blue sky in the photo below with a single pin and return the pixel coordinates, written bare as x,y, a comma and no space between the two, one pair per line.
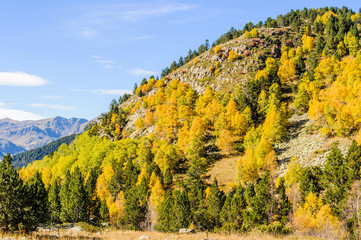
71,58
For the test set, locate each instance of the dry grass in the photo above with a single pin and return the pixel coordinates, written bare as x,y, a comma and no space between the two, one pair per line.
131,235
225,172
135,235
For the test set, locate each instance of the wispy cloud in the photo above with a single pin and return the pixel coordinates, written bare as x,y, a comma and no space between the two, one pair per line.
20,79
52,106
141,72
141,38
2,104
154,11
19,115
104,62
88,33
108,16
104,91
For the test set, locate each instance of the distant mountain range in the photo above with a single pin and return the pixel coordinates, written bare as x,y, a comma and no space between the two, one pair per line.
19,136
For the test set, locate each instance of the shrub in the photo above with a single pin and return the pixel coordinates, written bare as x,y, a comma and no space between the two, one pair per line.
232,56
217,49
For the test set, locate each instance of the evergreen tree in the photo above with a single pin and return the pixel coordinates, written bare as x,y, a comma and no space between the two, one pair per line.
167,215
168,177
37,202
214,206
136,205
77,197
12,197
335,180
54,203
92,200
353,161
284,206
117,182
310,181
104,211
232,210
64,198
182,209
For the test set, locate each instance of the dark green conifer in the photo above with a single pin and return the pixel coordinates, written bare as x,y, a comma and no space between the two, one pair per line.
64,198
168,177
12,196
167,215
37,202
77,197
54,203
182,209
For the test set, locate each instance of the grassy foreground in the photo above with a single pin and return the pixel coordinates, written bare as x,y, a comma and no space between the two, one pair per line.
134,235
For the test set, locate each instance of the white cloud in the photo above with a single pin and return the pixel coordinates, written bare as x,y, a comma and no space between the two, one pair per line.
51,106
104,91
20,79
154,11
112,91
2,104
111,15
141,72
104,62
88,33
140,38
19,115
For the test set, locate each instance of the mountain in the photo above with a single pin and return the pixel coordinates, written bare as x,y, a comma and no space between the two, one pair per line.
18,136
270,115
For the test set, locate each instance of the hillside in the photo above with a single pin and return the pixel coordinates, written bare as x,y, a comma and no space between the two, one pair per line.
254,133
18,136
26,157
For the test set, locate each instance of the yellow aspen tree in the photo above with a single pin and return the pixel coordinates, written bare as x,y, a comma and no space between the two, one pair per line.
262,149
46,176
225,142
287,71
307,43
254,32
116,209
149,117
247,170
103,182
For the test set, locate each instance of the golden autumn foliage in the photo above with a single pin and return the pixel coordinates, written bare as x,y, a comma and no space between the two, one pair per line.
247,168
338,107
217,49
233,56
287,71
314,216
307,43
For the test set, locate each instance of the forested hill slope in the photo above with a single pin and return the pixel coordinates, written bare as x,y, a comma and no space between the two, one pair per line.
151,155
24,158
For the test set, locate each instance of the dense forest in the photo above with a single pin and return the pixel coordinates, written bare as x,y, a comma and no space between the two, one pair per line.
151,174
24,158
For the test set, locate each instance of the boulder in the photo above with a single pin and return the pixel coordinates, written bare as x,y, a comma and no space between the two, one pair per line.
143,238
186,230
